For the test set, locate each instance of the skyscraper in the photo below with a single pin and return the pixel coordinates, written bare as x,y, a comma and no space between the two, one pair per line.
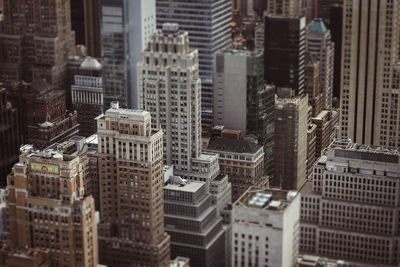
126,27
131,230
324,10
350,207
208,25
288,8
242,100
369,98
284,51
320,45
36,42
53,211
87,95
290,142
91,15
336,27
9,136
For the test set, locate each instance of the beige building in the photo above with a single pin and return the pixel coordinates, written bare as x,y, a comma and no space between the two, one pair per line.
242,161
350,208
291,116
370,112
131,230
48,208
286,7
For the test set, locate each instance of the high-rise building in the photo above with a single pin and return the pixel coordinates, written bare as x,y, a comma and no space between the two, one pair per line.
48,208
78,21
91,15
350,207
9,136
242,161
336,27
325,130
311,84
324,10
170,88
290,142
319,44
126,27
87,95
36,42
369,98
209,28
265,228
131,230
193,223
43,117
242,100
284,51
311,10
288,8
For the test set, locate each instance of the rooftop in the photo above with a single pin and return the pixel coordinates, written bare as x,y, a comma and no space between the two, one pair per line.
318,26
233,145
267,199
91,63
348,145
188,186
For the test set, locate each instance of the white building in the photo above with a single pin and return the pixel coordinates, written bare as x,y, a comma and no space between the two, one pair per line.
126,27
320,45
350,210
170,89
265,228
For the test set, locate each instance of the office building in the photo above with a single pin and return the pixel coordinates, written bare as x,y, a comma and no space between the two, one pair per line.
193,224
284,51
78,21
170,89
43,117
9,136
242,100
311,10
320,45
21,257
311,147
265,228
53,213
242,161
369,101
38,45
312,84
3,215
349,209
87,95
290,142
324,10
91,16
131,230
208,25
126,27
288,8
336,27
325,131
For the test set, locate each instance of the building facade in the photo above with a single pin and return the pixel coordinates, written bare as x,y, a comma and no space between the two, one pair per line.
312,84
38,40
320,45
48,208
242,100
87,95
349,208
242,161
208,25
131,230
265,228
9,136
193,224
290,142
126,27
369,98
284,51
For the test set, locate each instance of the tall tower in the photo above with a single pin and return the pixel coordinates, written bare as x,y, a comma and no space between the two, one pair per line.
369,100
126,27
48,208
290,142
131,231
284,51
320,45
36,42
208,25
9,136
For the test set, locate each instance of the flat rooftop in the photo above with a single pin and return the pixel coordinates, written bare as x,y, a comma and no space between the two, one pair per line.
190,186
128,112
